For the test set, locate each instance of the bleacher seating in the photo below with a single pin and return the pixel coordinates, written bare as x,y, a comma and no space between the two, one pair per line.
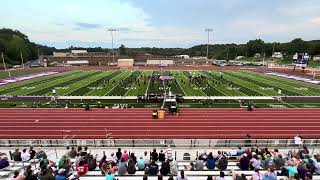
182,163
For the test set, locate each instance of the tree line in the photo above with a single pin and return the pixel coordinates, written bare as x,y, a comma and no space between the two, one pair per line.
15,45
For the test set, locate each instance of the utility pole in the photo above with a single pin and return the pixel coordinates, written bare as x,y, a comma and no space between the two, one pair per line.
111,30
4,64
208,30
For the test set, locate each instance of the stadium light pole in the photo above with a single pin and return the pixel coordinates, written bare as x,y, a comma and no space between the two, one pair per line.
208,30
111,30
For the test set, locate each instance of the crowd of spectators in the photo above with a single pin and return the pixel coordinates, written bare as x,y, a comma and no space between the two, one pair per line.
76,162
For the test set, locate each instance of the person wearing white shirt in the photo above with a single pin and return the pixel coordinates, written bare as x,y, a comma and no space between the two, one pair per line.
146,157
113,158
25,156
169,152
298,140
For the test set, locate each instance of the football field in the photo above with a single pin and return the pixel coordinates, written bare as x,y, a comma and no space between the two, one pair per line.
191,83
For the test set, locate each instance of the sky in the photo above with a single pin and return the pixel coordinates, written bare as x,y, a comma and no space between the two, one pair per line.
160,23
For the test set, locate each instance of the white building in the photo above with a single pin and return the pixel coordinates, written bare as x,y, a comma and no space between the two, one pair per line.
61,54
78,63
277,55
183,56
125,62
316,57
79,51
159,62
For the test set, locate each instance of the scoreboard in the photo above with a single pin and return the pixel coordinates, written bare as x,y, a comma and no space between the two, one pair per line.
301,59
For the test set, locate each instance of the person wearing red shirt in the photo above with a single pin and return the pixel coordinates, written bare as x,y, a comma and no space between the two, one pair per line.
82,169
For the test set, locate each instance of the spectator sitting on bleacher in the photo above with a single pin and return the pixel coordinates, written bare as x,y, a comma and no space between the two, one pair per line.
173,166
244,162
255,162
204,155
146,157
28,168
82,169
162,156
182,176
4,162
92,163
61,175
165,168
154,155
16,155
256,175
79,150
41,155
17,176
221,176
240,151
110,176
275,153
113,158
211,162
199,164
119,154
61,161
30,175
141,163
72,153
218,156
122,167
279,162
32,152
317,163
45,175
209,177
133,157
131,167
153,168
125,155
25,156
67,166
269,175
84,152
292,169
222,163
78,159
268,162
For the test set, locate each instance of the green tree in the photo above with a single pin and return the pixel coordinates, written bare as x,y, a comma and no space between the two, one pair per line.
123,50
255,46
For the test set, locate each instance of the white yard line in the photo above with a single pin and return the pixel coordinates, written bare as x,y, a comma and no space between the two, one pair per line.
181,88
149,83
133,83
117,84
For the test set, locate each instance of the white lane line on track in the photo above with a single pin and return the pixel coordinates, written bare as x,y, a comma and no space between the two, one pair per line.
163,126
156,130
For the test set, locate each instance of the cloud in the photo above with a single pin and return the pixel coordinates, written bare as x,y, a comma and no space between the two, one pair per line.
86,26
315,20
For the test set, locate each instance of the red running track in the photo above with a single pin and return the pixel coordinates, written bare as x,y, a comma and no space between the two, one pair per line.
138,124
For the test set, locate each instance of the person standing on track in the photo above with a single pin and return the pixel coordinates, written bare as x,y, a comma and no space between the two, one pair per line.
169,152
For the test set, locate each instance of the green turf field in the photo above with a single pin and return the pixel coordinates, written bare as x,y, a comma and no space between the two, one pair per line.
187,83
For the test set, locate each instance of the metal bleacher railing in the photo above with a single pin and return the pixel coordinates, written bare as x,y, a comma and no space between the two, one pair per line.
186,143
